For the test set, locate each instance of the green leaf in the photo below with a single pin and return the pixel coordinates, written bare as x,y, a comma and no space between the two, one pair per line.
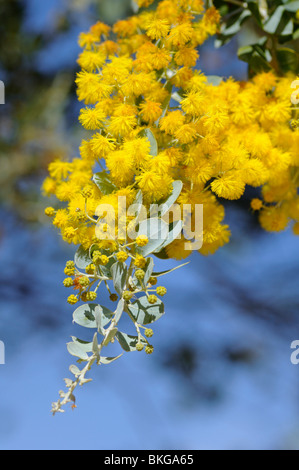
128,342
292,6
119,276
214,80
144,312
288,59
233,26
273,23
287,27
82,258
103,182
156,231
85,315
152,139
134,6
256,56
79,348
162,254
253,6
258,64
296,34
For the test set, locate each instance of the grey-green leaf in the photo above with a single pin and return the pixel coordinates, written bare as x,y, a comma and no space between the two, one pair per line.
108,360
288,59
127,342
148,270
177,187
119,275
110,336
175,232
273,23
86,314
156,231
119,310
75,370
146,313
82,258
79,348
153,142
95,344
103,182
292,6
214,80
162,273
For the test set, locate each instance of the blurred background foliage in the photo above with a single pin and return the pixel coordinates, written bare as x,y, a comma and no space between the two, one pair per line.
240,306
270,33
37,124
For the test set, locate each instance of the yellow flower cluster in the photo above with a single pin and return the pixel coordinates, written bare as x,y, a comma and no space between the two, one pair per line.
215,139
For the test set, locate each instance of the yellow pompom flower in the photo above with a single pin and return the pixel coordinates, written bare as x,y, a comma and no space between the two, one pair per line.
180,34
151,111
194,104
92,118
141,240
256,204
101,146
296,225
122,256
172,122
61,218
121,166
274,219
229,186
122,125
91,60
50,211
157,28
48,186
